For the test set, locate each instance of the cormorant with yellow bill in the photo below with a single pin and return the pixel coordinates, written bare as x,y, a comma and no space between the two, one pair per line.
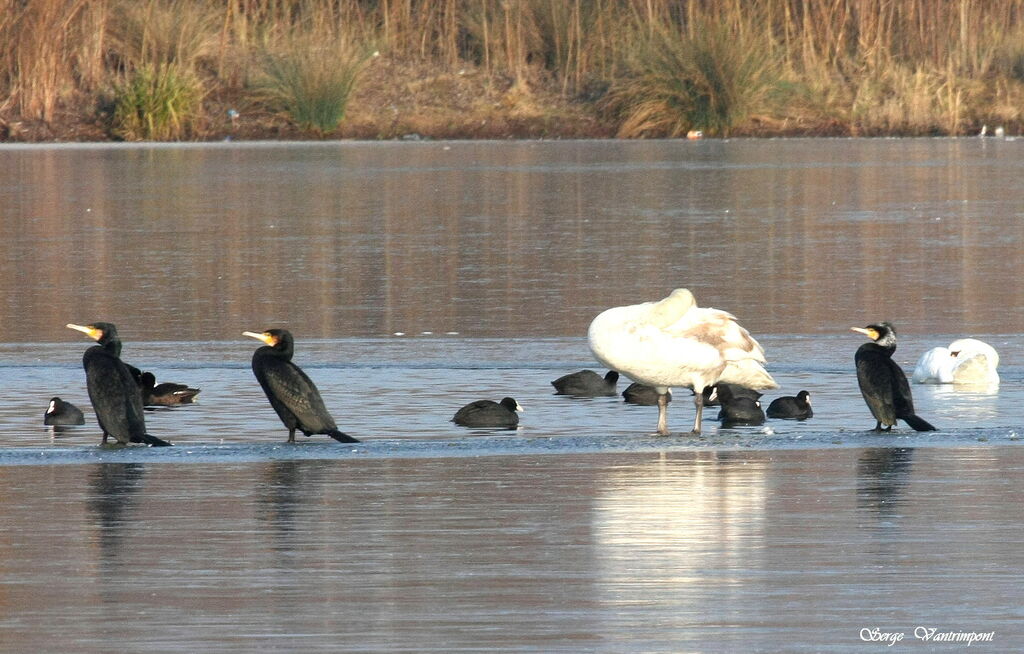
291,392
882,382
113,388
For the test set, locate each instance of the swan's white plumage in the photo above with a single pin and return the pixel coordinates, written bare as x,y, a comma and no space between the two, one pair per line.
935,367
674,343
965,361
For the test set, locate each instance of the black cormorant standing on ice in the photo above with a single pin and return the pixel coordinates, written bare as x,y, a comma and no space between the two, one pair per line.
882,382
291,392
113,388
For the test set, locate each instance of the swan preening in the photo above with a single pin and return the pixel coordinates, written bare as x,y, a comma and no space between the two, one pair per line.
965,361
675,343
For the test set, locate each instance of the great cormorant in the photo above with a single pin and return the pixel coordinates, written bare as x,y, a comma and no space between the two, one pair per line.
791,408
587,383
60,413
673,342
291,392
113,388
882,382
488,413
166,393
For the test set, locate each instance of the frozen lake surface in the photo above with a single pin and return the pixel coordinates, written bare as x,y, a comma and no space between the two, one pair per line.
398,395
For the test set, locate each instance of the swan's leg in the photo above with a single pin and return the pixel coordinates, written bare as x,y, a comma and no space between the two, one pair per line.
698,402
663,414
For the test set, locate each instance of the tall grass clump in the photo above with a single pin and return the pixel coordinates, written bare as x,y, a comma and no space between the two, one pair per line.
159,44
312,80
567,40
157,103
161,32
37,44
710,77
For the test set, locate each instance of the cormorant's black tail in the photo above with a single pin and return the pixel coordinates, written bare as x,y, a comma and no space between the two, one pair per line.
341,437
919,424
153,441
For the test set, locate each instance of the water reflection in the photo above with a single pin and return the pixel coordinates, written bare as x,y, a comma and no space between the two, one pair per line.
706,552
679,531
114,488
971,401
522,239
287,487
882,478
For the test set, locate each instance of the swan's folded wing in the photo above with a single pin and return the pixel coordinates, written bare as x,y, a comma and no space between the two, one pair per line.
720,330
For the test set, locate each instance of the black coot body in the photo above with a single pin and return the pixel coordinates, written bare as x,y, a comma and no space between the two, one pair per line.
114,388
642,394
711,393
791,408
587,383
62,414
882,382
291,392
738,410
488,413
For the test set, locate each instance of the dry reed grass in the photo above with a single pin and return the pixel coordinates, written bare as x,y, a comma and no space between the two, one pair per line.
864,67
40,39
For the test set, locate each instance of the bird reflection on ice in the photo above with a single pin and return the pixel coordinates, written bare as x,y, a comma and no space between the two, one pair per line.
962,403
676,528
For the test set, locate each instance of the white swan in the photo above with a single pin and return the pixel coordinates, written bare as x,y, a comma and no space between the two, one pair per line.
965,361
673,343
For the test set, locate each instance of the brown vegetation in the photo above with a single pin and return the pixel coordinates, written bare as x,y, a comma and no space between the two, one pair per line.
179,69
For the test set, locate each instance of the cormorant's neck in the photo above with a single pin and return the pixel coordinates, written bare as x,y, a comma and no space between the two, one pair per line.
282,351
880,346
111,346
888,341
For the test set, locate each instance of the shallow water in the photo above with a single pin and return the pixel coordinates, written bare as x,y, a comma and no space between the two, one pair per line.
418,277
398,395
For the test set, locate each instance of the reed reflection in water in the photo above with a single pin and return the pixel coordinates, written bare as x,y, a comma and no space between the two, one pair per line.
510,239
